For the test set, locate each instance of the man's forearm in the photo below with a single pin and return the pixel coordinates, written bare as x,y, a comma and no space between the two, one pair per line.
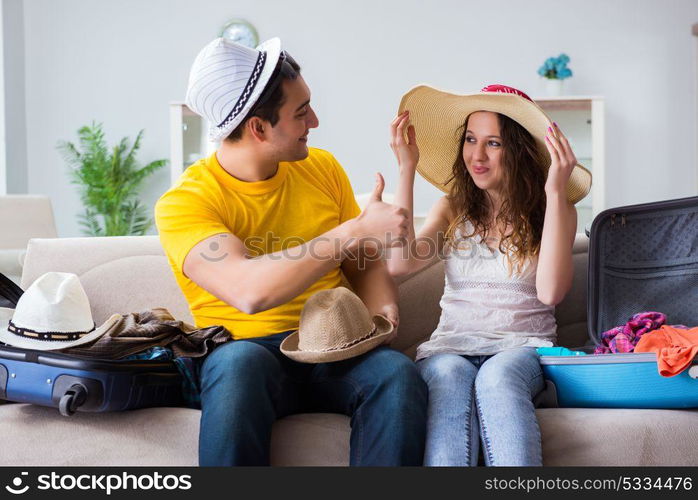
275,278
283,275
375,287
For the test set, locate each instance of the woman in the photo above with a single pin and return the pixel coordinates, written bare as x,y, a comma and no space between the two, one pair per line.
505,229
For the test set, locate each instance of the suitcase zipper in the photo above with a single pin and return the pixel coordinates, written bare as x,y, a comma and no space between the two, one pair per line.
611,358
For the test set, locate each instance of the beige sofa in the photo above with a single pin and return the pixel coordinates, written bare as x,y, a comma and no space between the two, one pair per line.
24,216
131,274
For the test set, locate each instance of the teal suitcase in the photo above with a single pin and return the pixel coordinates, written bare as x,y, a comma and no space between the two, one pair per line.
641,258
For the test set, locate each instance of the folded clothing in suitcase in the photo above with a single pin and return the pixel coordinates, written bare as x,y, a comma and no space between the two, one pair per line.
641,258
72,383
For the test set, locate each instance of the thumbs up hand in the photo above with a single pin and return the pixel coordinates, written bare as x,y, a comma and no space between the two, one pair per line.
377,194
382,224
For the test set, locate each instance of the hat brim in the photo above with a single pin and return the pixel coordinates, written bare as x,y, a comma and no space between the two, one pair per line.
383,328
438,118
273,49
15,340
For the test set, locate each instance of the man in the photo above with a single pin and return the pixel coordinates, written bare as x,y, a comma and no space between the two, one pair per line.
253,231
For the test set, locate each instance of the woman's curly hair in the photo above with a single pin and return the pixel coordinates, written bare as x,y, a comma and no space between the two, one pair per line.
523,195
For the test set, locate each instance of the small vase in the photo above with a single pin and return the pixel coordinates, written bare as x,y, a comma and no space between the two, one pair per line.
553,86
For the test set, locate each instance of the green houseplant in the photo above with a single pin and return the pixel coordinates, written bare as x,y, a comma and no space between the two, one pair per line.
109,181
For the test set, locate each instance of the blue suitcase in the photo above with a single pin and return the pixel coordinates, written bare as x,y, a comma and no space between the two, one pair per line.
72,383
641,258
75,383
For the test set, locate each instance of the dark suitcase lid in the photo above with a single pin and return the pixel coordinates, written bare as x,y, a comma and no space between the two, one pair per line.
643,258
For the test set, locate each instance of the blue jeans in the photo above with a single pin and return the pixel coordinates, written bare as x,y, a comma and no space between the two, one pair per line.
248,384
487,397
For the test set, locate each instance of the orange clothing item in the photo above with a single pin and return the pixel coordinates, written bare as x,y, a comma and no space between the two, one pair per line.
675,348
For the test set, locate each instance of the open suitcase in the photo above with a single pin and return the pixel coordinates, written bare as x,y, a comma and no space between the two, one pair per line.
75,383
641,258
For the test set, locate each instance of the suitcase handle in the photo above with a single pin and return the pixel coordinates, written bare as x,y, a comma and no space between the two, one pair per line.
73,398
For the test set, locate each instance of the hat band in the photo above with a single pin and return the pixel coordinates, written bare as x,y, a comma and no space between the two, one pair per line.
348,344
33,334
247,92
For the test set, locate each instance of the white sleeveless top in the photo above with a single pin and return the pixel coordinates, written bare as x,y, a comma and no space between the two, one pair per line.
483,309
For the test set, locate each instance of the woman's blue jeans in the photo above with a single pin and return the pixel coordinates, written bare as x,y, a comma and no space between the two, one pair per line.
248,384
483,397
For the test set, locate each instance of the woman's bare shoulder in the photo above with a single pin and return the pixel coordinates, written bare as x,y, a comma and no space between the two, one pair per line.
438,220
443,209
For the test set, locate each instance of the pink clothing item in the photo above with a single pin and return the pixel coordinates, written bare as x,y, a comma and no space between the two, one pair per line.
675,347
624,338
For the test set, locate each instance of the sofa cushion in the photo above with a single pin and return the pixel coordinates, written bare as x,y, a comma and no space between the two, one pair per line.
169,436
598,436
571,313
36,435
120,274
419,297
40,436
311,439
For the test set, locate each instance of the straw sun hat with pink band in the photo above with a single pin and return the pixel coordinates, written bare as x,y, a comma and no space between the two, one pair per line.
438,118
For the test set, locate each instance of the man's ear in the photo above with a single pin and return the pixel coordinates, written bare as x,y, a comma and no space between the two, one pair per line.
257,128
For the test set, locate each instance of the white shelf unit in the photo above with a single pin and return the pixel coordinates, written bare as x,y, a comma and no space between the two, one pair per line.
188,139
581,119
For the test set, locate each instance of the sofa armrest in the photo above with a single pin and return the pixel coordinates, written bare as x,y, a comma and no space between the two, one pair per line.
11,263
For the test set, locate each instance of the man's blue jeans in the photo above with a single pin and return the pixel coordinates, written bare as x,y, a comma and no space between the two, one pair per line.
248,384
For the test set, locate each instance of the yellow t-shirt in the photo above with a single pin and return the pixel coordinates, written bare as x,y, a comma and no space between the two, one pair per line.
302,201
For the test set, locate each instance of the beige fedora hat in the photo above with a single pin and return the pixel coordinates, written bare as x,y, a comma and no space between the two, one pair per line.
438,118
335,325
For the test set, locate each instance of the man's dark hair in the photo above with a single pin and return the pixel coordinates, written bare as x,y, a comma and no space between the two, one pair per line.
272,98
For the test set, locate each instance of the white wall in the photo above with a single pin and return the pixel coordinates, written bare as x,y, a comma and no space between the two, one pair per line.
121,62
3,157
14,130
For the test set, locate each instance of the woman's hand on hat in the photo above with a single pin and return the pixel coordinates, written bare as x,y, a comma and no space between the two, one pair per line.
562,161
406,151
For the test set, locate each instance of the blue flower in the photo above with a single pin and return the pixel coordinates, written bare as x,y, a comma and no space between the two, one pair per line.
556,67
